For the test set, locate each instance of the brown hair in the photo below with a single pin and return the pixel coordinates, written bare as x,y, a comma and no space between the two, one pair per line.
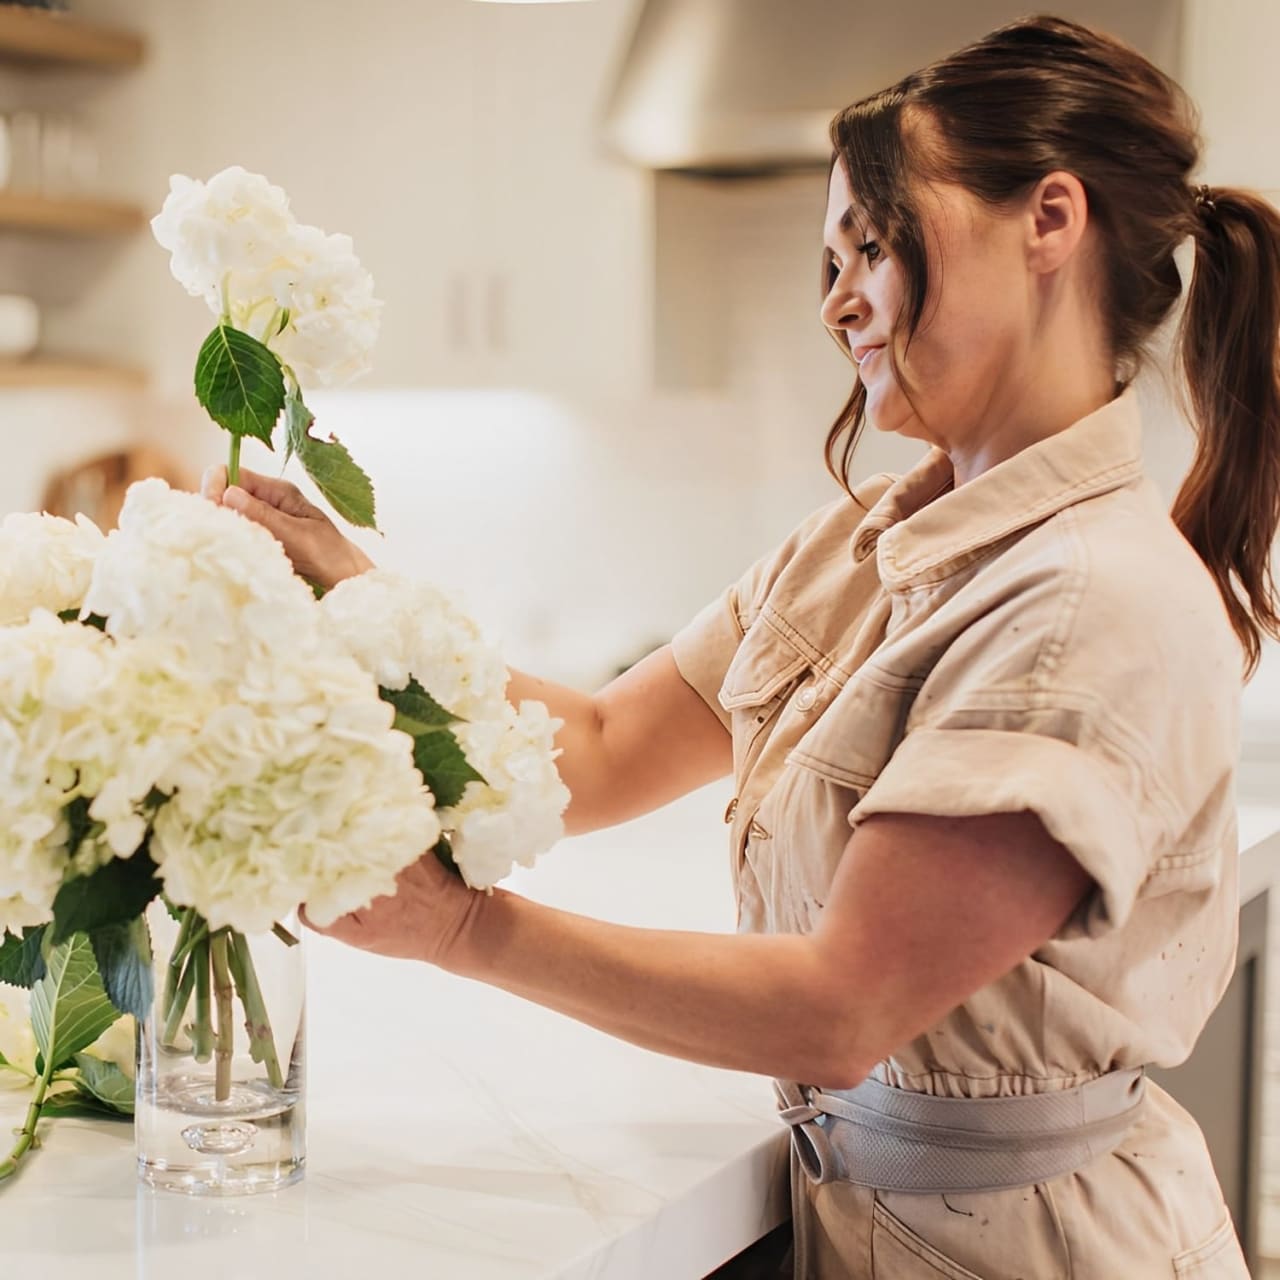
1045,94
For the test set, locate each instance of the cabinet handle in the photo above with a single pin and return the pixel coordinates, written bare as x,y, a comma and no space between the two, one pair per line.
496,313
456,310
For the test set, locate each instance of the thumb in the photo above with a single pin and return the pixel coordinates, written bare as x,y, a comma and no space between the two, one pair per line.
213,483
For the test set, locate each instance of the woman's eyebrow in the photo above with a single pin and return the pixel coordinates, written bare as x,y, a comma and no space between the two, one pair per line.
847,219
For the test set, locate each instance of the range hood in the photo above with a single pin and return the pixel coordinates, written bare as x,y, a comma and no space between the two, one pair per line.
734,87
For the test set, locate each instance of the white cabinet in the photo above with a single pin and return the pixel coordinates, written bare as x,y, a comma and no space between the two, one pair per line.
457,143
554,291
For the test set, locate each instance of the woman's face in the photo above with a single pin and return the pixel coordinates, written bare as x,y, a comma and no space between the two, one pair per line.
976,329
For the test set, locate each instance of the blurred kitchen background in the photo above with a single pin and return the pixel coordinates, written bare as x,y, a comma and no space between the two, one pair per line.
602,388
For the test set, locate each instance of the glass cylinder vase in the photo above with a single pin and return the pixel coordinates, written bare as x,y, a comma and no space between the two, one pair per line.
220,1097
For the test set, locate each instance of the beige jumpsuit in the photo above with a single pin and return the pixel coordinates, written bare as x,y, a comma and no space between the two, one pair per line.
1041,638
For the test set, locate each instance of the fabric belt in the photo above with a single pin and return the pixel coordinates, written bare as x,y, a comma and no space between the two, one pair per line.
898,1140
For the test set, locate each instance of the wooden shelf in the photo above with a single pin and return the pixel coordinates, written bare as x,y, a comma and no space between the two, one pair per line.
38,37
67,215
49,371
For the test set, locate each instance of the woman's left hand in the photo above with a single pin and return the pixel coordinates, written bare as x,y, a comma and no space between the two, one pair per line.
429,912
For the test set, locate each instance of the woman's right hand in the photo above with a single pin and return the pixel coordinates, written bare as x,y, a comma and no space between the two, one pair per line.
311,540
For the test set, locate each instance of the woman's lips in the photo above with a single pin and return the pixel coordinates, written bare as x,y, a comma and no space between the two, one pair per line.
862,354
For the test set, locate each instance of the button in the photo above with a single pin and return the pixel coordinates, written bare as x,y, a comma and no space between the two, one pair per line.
806,698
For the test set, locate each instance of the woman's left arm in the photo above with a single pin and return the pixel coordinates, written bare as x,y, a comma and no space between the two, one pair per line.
923,912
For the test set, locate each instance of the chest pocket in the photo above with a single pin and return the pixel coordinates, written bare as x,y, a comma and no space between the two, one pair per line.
765,669
855,736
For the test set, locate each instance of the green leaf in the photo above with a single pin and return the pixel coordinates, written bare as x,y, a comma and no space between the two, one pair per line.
106,1082
297,423
21,958
240,383
345,486
417,711
95,620
80,1104
114,894
69,1006
123,955
444,767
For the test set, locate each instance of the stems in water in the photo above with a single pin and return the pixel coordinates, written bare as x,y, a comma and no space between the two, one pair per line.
257,1022
225,1041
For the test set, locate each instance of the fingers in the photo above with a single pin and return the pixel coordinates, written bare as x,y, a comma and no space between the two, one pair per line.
270,518
280,494
213,483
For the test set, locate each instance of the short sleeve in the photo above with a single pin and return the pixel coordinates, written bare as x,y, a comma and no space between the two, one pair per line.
1085,800
705,646
1116,764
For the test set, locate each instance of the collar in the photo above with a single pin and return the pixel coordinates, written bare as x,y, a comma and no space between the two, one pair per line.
923,529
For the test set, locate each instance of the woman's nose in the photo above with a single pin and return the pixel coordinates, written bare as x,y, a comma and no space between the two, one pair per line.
843,307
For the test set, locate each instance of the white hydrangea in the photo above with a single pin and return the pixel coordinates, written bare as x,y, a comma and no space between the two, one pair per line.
235,243
333,316
82,718
516,813
45,562
300,791
231,233
202,576
395,628
17,1040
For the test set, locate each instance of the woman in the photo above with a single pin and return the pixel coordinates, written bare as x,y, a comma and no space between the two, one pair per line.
1009,672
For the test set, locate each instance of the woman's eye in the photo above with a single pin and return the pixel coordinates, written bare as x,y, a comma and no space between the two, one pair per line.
870,250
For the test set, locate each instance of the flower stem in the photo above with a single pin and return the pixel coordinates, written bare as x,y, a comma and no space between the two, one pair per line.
257,1021
176,958
224,1044
27,1134
202,1028
178,1006
233,464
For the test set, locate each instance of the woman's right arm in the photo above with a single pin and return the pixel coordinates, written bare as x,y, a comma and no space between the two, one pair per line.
643,740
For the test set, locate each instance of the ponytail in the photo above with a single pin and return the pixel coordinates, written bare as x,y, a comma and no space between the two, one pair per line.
1229,505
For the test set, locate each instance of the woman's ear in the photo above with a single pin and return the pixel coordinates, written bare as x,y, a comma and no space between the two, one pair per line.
1057,215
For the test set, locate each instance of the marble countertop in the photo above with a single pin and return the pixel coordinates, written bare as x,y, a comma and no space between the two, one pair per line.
456,1131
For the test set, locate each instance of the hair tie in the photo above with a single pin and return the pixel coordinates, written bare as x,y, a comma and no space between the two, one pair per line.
1204,198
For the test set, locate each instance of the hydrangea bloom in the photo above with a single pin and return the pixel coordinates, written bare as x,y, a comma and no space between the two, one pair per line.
235,243
333,316
297,791
45,563
226,234
203,576
395,628
515,814
74,722
234,725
